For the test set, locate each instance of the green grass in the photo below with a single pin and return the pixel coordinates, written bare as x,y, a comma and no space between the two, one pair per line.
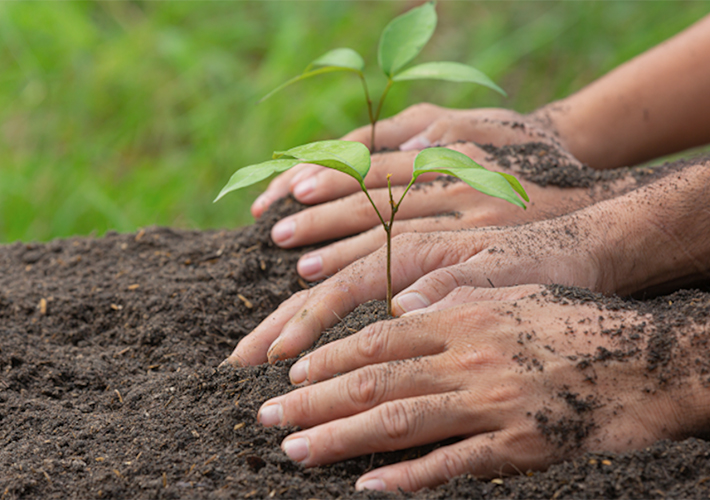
117,115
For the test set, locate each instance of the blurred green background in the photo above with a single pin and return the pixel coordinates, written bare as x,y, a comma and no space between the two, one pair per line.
117,115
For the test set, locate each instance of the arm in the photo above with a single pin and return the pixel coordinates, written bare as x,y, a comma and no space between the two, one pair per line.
653,105
651,236
656,104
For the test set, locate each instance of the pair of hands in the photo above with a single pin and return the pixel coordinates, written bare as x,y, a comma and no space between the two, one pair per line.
342,210
378,406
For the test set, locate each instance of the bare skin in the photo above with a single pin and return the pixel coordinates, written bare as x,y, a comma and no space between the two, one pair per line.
463,207
652,236
639,111
498,368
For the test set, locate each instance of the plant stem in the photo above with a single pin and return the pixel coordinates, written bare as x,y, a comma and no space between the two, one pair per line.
388,229
368,101
373,119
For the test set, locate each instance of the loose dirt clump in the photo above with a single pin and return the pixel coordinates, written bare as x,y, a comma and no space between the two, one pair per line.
109,386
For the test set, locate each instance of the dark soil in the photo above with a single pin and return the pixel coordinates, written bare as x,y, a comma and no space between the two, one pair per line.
109,386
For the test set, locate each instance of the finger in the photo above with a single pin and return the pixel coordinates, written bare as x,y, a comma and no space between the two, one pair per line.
329,260
354,393
377,343
437,285
251,350
365,280
393,425
278,188
392,132
429,137
328,184
466,295
355,214
483,455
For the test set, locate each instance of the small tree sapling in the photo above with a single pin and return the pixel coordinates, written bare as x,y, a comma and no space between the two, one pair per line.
353,158
401,41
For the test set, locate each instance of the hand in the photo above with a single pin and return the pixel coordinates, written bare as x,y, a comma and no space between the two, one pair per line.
517,375
564,250
650,237
447,205
415,128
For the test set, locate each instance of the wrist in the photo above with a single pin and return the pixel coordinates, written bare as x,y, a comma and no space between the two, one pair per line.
655,236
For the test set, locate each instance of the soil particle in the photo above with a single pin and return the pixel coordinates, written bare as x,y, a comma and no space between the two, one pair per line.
547,165
666,359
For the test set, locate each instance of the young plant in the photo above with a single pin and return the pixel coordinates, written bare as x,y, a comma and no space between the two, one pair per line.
401,41
353,158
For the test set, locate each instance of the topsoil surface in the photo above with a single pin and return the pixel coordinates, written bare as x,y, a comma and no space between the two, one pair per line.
109,386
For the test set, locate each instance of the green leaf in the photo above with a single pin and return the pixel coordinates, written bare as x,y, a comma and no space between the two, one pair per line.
450,162
404,37
515,184
352,158
449,71
341,58
252,174
308,74
442,158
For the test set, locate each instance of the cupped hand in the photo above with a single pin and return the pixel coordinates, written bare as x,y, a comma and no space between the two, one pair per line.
437,206
514,373
425,268
415,128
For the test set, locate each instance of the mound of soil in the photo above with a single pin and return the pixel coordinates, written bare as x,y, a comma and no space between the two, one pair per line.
109,386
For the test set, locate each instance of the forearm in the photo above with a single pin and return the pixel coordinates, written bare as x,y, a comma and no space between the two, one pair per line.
656,104
656,235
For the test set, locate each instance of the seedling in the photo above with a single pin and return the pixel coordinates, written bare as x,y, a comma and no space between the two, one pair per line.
353,158
401,41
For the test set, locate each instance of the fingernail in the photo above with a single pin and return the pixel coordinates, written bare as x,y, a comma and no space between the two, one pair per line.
271,414
310,265
299,372
412,301
415,143
304,188
370,484
283,231
261,199
296,448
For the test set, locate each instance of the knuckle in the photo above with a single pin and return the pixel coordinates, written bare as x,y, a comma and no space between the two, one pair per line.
364,387
297,406
395,420
452,464
475,359
372,341
448,277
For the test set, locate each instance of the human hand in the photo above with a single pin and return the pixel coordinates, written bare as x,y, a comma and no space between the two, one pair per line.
442,205
429,266
524,376
415,128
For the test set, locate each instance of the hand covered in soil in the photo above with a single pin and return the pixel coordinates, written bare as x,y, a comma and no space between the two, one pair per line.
650,237
440,205
524,376
415,128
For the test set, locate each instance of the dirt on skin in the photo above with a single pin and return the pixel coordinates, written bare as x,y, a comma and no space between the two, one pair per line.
109,386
